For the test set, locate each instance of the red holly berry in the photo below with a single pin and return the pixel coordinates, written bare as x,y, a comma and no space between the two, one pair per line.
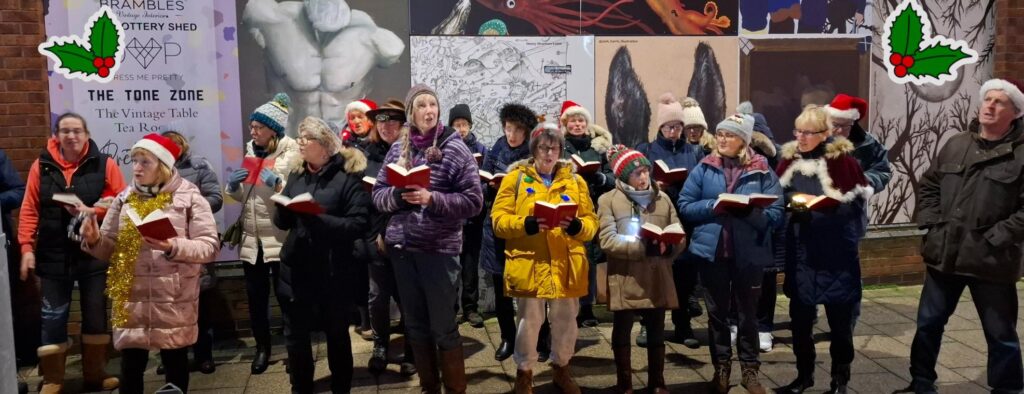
108,62
908,61
104,72
895,59
900,71
97,62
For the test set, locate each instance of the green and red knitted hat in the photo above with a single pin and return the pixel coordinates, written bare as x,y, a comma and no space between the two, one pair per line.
624,161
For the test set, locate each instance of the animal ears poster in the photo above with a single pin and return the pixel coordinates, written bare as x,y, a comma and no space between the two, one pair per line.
575,17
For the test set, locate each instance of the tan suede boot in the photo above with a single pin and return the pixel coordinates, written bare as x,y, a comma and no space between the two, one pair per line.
524,382
749,379
94,363
563,379
426,367
51,364
453,371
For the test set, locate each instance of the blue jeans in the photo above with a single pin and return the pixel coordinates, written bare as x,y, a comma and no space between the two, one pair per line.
997,308
56,305
428,284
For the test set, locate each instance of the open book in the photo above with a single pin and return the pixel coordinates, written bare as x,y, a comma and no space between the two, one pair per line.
479,159
155,225
489,177
69,199
814,203
666,175
670,235
585,167
401,178
554,213
728,200
302,203
255,165
369,182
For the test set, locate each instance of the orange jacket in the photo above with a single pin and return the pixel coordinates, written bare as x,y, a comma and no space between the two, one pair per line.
28,218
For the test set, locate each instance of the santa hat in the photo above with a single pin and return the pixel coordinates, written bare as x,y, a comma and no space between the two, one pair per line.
273,114
162,147
692,114
625,161
1011,87
570,108
363,105
669,110
849,107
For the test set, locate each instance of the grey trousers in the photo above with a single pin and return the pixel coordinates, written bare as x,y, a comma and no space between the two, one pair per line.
428,284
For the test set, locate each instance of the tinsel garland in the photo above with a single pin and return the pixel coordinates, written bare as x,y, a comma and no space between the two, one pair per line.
121,273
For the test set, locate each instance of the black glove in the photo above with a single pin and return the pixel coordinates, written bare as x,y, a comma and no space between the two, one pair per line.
397,194
531,226
651,248
594,178
741,212
575,226
801,216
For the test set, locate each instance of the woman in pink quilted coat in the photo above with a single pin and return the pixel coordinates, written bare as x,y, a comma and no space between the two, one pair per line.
154,283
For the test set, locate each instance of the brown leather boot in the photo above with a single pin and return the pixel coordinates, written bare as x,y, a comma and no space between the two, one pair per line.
453,370
623,370
749,379
51,364
656,370
524,382
720,382
563,379
94,363
426,367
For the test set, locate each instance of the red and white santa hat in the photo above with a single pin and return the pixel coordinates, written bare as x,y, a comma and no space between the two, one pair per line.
571,108
1011,87
162,147
365,105
845,106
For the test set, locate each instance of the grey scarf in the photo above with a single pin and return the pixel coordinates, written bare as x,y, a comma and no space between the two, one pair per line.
642,198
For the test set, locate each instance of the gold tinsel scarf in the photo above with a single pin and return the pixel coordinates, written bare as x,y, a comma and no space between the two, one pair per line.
121,273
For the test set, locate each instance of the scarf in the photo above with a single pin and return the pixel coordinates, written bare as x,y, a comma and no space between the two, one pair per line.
121,272
148,191
642,198
581,142
259,151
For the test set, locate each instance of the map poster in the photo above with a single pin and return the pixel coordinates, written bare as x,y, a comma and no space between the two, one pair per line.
168,76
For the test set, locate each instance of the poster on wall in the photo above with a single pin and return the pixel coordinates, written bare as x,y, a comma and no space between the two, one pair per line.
486,73
177,71
914,121
323,53
631,73
807,17
779,91
585,17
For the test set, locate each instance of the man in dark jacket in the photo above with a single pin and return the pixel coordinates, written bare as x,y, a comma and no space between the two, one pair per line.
970,203
461,119
845,113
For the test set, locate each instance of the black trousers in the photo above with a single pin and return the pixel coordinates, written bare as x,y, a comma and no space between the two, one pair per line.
684,276
258,278
997,308
472,236
202,350
622,324
726,287
329,313
841,320
133,366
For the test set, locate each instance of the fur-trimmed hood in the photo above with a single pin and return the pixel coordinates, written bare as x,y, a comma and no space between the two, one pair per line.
600,137
834,148
763,143
355,160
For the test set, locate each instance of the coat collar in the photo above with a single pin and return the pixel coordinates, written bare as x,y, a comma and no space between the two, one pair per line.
600,138
834,148
564,169
757,162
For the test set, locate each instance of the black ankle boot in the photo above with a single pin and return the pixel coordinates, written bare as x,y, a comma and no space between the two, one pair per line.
378,360
840,377
504,350
798,386
261,360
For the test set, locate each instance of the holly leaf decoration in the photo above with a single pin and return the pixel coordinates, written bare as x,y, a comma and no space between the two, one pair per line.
73,57
936,60
906,32
103,37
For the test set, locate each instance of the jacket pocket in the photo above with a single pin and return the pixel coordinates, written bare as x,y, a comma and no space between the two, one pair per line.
999,193
932,243
520,272
578,269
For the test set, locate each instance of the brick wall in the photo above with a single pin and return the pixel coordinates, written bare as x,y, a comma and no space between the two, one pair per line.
1009,49
24,101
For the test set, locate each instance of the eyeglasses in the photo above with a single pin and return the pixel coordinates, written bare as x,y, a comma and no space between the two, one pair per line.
839,126
257,127
546,149
672,128
301,140
71,131
806,133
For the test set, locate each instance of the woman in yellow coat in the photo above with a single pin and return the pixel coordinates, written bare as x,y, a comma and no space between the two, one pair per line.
545,263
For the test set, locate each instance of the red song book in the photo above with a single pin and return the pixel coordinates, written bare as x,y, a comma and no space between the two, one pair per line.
155,225
585,167
255,165
489,177
554,213
302,203
814,203
402,178
666,175
729,200
369,182
671,234
479,159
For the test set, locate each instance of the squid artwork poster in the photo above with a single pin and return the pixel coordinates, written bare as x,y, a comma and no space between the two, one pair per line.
584,17
323,53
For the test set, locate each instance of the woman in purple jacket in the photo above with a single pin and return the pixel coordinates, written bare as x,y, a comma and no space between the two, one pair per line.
424,236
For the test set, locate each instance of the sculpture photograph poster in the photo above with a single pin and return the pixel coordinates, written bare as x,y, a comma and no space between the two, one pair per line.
323,53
